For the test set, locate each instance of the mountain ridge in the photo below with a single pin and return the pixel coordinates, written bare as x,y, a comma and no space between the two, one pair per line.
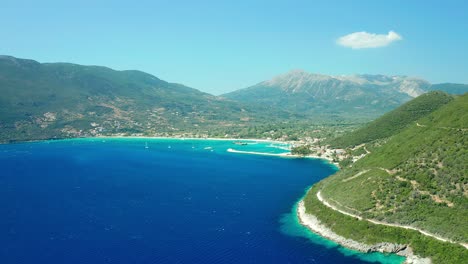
297,78
394,121
343,95
60,100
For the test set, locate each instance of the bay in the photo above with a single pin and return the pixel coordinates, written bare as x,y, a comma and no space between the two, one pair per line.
143,200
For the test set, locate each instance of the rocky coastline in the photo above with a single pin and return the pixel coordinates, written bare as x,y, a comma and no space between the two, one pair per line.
313,224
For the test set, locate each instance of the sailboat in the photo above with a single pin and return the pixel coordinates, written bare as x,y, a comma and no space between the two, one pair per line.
146,145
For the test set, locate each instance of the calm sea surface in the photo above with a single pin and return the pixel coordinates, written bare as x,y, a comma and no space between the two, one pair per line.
158,201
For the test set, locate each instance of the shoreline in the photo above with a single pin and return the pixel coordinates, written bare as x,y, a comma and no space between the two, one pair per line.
194,138
306,220
312,223
149,137
426,233
283,155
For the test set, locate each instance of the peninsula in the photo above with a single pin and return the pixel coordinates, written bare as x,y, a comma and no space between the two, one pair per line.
407,195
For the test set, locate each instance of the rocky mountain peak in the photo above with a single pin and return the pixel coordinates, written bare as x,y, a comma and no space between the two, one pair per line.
299,80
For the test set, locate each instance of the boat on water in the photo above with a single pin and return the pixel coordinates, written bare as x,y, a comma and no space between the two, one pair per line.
146,145
240,143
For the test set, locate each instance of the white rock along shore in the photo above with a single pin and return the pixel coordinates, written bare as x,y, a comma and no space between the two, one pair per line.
313,224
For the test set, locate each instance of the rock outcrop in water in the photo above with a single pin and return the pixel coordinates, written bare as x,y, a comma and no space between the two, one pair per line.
387,248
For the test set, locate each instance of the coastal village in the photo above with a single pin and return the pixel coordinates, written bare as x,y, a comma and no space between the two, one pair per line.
312,147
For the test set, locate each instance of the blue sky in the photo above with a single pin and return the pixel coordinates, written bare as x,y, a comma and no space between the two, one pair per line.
220,46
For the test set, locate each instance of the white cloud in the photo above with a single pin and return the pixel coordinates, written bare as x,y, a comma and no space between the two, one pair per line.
364,40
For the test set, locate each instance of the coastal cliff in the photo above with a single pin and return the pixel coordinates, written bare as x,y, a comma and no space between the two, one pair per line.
313,224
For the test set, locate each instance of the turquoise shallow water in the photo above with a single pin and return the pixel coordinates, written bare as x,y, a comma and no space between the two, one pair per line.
159,201
290,225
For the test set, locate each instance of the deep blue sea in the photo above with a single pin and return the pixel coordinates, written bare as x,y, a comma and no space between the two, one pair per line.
158,201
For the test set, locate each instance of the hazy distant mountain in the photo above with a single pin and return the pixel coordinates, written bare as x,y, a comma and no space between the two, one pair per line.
47,100
317,94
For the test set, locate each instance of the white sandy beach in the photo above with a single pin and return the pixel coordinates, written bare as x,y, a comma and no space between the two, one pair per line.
194,138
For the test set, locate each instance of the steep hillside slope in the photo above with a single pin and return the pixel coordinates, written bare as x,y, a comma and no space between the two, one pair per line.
394,121
417,178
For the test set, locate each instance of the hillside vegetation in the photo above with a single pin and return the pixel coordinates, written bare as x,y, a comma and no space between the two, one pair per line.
57,100
418,177
63,100
394,121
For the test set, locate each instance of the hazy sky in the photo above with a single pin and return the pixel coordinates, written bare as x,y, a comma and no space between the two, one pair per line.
220,46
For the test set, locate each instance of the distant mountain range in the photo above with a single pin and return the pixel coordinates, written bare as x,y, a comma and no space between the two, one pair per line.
59,100
346,96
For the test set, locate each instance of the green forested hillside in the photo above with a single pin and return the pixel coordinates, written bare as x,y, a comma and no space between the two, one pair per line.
56,100
418,177
394,121
60,100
